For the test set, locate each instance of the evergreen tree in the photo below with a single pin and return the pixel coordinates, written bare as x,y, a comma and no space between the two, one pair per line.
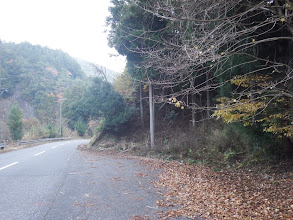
80,127
99,100
15,123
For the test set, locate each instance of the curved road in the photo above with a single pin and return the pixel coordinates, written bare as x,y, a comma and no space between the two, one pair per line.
55,181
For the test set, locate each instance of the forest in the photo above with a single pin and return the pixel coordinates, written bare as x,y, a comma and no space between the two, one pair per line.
213,78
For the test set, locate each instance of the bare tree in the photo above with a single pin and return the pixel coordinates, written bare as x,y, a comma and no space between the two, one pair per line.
100,70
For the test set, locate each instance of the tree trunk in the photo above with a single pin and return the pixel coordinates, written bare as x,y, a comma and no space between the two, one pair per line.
252,99
290,147
154,115
141,105
193,110
152,118
208,96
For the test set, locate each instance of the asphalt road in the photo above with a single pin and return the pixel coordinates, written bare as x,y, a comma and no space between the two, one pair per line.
56,181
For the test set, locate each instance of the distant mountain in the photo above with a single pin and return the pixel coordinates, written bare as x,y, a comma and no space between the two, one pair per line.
92,70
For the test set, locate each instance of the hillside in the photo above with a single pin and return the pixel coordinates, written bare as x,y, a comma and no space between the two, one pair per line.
37,70
36,77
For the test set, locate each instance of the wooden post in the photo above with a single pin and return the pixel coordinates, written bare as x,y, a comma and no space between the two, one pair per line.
208,95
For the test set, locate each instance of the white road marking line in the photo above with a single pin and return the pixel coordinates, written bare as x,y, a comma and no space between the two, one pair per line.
8,165
61,144
39,153
54,147
73,173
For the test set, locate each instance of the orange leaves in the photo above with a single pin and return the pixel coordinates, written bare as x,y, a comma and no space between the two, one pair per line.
198,191
139,217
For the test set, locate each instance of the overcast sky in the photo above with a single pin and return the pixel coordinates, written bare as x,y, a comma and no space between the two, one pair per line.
74,26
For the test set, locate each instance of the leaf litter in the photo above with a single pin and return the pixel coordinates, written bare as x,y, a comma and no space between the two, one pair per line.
194,191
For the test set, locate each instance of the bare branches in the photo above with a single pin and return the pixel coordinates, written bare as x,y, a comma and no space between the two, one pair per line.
221,39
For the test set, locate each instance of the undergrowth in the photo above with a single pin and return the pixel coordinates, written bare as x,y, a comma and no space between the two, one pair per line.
210,143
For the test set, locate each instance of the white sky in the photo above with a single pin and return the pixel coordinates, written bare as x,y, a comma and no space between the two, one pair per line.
74,26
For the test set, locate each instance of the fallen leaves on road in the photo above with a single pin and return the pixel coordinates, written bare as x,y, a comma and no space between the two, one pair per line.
117,179
138,217
141,174
194,191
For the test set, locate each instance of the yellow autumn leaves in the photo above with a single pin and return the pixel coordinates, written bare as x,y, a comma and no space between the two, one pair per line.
178,104
231,110
245,81
257,109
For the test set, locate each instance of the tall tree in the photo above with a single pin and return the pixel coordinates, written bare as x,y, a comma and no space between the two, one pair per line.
80,127
15,122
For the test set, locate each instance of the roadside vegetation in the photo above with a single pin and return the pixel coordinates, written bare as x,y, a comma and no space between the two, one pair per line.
210,81
207,87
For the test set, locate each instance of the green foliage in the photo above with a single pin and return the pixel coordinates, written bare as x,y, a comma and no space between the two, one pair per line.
109,104
128,33
80,127
51,130
48,131
99,100
125,86
76,105
15,122
237,144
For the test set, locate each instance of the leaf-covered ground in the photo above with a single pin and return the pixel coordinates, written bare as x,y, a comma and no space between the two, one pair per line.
196,191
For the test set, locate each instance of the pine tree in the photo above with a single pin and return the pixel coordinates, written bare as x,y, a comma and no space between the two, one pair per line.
15,123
